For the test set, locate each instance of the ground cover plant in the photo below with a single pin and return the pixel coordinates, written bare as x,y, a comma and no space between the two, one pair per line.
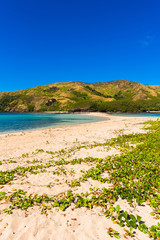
133,175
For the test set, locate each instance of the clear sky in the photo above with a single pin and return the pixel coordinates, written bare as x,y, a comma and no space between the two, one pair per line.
47,41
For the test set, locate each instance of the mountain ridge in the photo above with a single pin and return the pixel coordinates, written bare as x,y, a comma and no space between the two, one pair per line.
113,96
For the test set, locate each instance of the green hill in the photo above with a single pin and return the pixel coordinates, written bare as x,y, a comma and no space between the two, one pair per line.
114,96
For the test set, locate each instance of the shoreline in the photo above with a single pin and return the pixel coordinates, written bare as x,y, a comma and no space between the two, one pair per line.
106,116
95,114
12,143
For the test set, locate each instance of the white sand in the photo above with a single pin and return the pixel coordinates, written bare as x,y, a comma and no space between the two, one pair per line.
73,223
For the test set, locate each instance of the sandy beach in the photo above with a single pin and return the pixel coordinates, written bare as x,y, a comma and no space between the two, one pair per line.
63,143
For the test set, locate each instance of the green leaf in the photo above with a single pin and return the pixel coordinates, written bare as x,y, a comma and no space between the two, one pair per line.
121,224
116,235
132,217
132,224
125,214
118,208
138,219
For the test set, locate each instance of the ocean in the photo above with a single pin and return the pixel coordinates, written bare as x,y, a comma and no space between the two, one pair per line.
13,122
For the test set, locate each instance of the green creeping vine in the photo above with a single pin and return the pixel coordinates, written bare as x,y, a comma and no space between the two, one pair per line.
19,199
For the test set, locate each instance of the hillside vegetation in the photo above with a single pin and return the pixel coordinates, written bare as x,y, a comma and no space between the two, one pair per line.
114,96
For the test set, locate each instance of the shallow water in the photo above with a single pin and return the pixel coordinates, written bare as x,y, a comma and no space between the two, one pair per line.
11,122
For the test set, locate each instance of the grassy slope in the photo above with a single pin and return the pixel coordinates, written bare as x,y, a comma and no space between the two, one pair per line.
119,95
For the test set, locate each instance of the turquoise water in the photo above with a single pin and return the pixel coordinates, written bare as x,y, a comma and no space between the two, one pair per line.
138,115
11,122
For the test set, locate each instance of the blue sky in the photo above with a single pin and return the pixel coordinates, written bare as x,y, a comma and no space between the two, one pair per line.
47,41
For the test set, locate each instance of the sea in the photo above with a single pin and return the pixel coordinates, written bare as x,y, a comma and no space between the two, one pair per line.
17,122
